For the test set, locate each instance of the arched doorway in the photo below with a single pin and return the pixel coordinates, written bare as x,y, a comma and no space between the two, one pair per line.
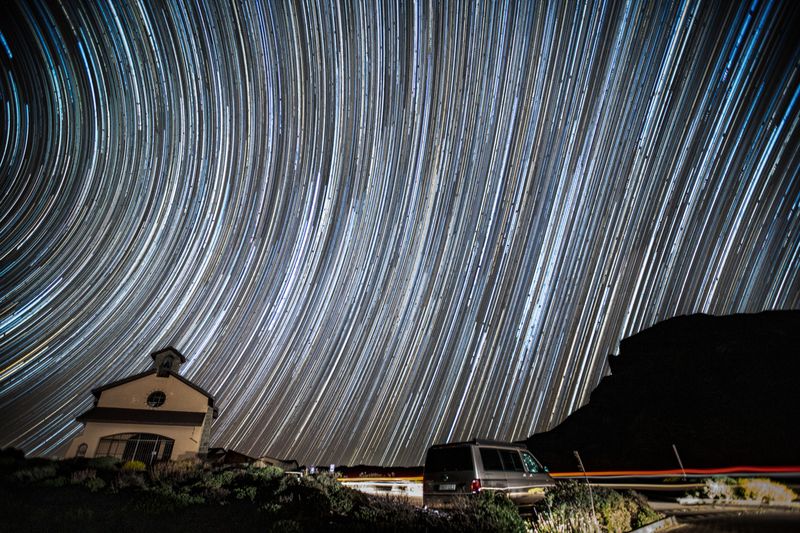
144,447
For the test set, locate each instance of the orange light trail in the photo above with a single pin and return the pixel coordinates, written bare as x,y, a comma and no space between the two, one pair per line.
687,471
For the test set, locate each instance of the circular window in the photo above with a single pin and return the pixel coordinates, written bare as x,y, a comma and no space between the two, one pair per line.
156,399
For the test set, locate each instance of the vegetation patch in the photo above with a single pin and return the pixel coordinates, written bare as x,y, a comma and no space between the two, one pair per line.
766,491
569,507
96,495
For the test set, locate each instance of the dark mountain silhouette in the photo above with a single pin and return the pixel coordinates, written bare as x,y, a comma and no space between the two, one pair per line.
723,389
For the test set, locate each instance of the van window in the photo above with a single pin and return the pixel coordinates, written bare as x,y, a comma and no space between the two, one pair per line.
448,459
511,461
531,464
491,459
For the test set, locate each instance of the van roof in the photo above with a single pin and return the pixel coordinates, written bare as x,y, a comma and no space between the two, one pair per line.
481,442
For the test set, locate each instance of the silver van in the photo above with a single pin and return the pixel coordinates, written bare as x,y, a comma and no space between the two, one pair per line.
461,468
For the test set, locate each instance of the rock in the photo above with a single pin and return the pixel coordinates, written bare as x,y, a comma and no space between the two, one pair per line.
721,388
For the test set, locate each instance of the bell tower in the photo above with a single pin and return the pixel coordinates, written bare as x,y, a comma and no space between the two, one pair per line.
167,360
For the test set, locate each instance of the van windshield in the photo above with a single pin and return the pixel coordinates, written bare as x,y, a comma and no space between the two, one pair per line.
531,464
448,459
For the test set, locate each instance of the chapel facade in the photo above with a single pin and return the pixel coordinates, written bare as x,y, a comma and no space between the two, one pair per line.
155,415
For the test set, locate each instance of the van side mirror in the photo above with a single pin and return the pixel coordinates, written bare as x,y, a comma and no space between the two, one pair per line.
546,469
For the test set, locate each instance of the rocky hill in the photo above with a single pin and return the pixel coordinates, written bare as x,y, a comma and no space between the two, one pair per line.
723,389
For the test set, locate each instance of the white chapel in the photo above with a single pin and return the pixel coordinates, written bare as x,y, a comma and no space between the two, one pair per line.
153,416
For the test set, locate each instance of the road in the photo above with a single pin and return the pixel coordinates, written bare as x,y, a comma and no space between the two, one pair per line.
736,521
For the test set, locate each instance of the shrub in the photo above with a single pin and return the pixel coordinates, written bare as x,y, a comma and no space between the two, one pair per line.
37,473
486,511
217,487
80,515
579,521
270,508
766,491
176,471
94,484
59,481
285,526
719,488
568,507
614,514
264,480
80,476
172,498
384,513
221,479
267,473
134,466
12,453
10,459
641,512
104,463
126,480
492,511
755,489
248,493
340,499
303,495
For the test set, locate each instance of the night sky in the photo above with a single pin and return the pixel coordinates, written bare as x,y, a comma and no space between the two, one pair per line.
371,228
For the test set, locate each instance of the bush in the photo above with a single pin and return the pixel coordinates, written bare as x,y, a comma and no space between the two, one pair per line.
59,481
10,459
37,473
380,511
95,484
568,507
267,473
125,480
248,493
176,471
104,463
134,466
579,521
219,480
641,512
217,487
12,454
719,488
79,515
754,489
490,511
172,498
340,499
304,496
285,526
614,514
766,491
80,476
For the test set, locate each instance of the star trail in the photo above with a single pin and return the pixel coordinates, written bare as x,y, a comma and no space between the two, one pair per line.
372,227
